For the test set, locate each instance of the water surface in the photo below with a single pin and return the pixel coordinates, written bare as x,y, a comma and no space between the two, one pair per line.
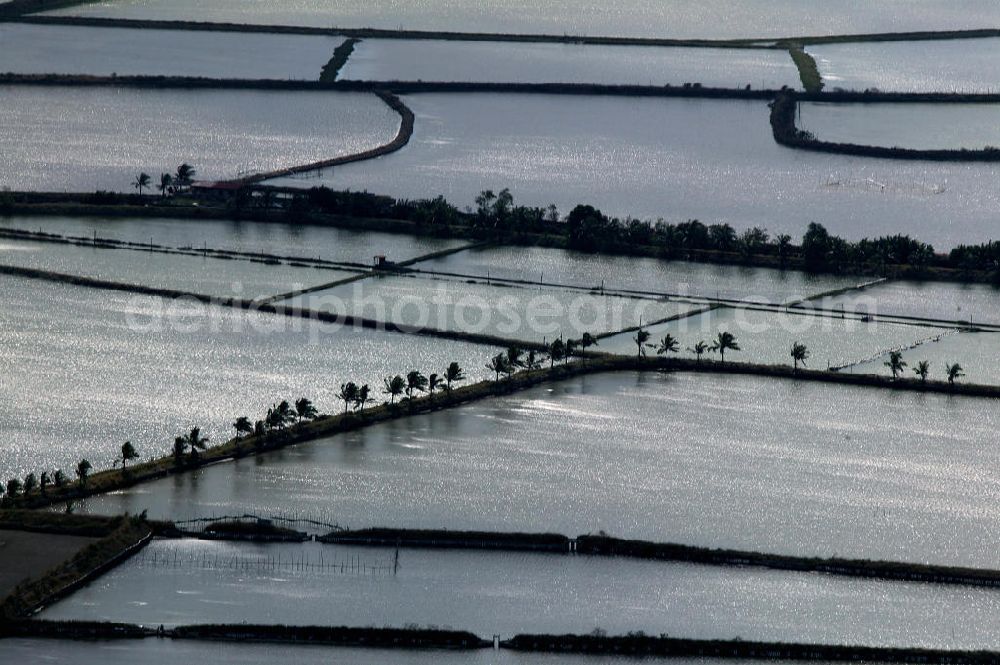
101,138
675,159
86,370
431,60
504,593
56,49
722,461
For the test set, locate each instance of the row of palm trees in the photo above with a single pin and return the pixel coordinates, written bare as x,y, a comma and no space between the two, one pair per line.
724,341
415,382
922,369
182,178
17,488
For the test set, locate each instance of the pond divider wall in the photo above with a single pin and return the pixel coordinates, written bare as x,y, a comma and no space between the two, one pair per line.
444,539
787,134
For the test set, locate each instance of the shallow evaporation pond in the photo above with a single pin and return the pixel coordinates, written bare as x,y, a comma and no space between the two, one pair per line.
488,593
506,62
750,463
631,273
288,239
952,65
206,275
949,301
56,49
767,337
101,138
913,126
677,159
647,18
513,312
96,368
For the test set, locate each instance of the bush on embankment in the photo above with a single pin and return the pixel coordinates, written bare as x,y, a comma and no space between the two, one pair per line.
400,638
445,539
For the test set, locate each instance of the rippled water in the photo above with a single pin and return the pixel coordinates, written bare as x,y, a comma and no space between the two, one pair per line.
194,274
715,161
293,240
512,312
962,65
720,461
916,126
101,138
503,593
706,18
37,49
637,274
86,370
425,60
765,337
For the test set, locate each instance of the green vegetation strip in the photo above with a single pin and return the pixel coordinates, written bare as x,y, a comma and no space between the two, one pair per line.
787,134
127,537
341,55
809,74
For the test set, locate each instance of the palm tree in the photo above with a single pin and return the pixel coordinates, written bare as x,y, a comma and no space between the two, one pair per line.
180,447
453,374
13,488
128,453
305,409
434,382
557,350
498,365
349,394
667,345
724,342
586,342
640,339
59,478
954,372
280,415
243,426
30,483
532,361
195,441
571,347
922,369
44,482
363,394
415,381
166,180
799,354
895,363
83,470
699,349
141,182
185,173
514,358
394,387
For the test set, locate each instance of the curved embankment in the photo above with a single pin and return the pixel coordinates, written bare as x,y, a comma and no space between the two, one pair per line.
402,138
787,134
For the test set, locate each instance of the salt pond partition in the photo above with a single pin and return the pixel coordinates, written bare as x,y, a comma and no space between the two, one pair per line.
675,159
719,461
93,138
56,49
89,369
646,18
648,275
523,313
505,593
507,62
767,337
914,126
232,278
291,240
977,353
953,65
975,303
